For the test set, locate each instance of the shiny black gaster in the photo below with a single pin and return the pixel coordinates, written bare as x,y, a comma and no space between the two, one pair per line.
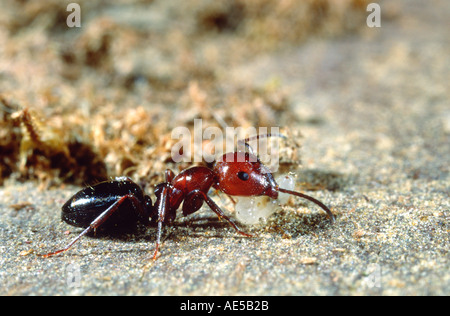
88,204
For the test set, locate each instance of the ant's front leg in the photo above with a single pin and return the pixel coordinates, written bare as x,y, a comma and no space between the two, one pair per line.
162,206
197,195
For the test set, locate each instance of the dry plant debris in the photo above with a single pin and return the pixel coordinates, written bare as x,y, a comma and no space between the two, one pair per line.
81,105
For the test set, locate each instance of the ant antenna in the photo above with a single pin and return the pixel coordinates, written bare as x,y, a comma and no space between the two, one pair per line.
6,105
301,195
310,198
244,142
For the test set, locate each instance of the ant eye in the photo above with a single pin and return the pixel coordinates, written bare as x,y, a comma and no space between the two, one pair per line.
242,175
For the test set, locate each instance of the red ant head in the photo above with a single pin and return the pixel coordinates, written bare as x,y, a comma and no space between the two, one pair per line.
242,174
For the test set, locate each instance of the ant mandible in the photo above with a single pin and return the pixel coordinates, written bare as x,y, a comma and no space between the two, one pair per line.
123,202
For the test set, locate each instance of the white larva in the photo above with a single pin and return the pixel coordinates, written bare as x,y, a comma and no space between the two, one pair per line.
256,209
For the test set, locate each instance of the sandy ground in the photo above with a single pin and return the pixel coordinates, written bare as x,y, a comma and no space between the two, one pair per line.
376,131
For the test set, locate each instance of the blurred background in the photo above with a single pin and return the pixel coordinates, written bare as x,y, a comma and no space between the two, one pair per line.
102,99
365,110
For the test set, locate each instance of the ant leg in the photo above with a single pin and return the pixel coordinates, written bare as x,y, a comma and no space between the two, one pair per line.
231,198
69,245
98,221
216,209
162,210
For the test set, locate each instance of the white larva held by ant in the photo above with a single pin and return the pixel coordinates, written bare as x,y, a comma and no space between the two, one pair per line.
256,209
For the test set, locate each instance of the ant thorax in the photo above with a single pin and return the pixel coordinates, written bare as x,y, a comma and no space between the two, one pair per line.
256,209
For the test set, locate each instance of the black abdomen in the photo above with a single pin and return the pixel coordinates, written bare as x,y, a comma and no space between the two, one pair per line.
86,205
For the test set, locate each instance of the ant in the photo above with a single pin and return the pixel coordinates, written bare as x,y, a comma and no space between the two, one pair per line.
123,202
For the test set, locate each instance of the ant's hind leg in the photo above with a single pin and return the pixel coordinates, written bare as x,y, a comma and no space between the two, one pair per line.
87,230
98,222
